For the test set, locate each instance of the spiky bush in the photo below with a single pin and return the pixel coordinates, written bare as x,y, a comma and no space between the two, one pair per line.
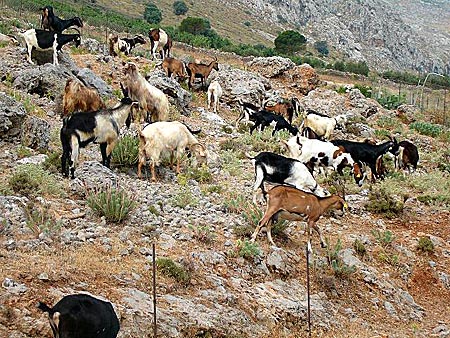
113,204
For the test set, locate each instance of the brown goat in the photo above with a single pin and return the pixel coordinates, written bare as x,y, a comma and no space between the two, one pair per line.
113,45
286,109
174,66
78,97
293,204
198,70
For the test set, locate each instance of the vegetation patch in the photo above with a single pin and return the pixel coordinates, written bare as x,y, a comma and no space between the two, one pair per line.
427,128
126,152
383,203
425,245
173,270
40,219
113,204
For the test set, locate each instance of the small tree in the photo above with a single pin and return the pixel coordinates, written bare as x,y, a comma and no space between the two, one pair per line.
152,14
321,47
289,42
196,26
179,7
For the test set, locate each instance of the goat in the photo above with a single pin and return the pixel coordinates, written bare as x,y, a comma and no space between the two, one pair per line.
159,39
277,169
314,153
151,99
287,109
198,70
214,91
406,154
366,153
295,205
100,127
78,97
264,118
323,126
82,315
44,40
127,44
51,22
247,109
113,45
173,137
174,66
311,134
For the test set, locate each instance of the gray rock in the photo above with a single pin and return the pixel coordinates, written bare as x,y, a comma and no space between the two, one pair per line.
390,309
277,260
93,46
272,66
36,133
14,287
89,78
37,159
12,114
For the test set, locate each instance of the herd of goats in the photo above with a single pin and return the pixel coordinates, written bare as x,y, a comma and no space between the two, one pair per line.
296,195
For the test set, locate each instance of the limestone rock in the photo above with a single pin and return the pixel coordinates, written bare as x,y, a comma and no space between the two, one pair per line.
12,114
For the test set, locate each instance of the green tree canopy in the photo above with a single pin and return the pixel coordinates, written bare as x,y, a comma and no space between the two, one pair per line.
321,47
196,26
152,14
179,7
289,42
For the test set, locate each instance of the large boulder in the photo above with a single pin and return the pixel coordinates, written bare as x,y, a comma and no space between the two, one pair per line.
304,78
93,46
241,85
12,114
177,95
273,66
35,133
89,78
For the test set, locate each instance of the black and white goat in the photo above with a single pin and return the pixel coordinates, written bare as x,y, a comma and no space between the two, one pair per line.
100,127
82,315
44,40
265,118
247,109
51,22
366,153
127,44
277,169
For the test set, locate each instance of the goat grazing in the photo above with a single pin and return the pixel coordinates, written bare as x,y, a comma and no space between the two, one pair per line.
322,126
406,155
287,109
315,153
51,22
277,169
247,110
366,153
159,39
171,137
214,92
151,99
78,97
126,45
82,315
296,205
264,119
311,134
101,127
174,66
198,70
44,40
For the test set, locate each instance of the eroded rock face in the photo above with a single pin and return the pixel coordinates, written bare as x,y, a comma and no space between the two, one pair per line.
12,115
35,133
269,67
304,78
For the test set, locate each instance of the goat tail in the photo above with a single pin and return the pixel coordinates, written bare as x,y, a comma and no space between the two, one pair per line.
249,156
193,132
44,307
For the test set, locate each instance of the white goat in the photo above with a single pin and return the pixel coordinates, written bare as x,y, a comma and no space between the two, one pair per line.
214,90
151,99
171,137
321,125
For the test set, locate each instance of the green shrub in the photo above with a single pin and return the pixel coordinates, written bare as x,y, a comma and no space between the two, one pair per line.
359,247
365,90
170,269
381,202
426,128
231,163
247,249
179,7
340,269
391,259
53,162
289,42
202,233
40,219
321,47
425,245
126,152
152,14
391,101
341,90
195,26
184,198
32,180
247,23
23,152
113,204
384,238
235,204
201,174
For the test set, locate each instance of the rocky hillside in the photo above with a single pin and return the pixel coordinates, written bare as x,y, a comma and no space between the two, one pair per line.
385,271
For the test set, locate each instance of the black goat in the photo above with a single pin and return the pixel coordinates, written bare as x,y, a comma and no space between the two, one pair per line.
51,22
82,315
264,118
127,44
44,40
101,127
366,153
247,109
